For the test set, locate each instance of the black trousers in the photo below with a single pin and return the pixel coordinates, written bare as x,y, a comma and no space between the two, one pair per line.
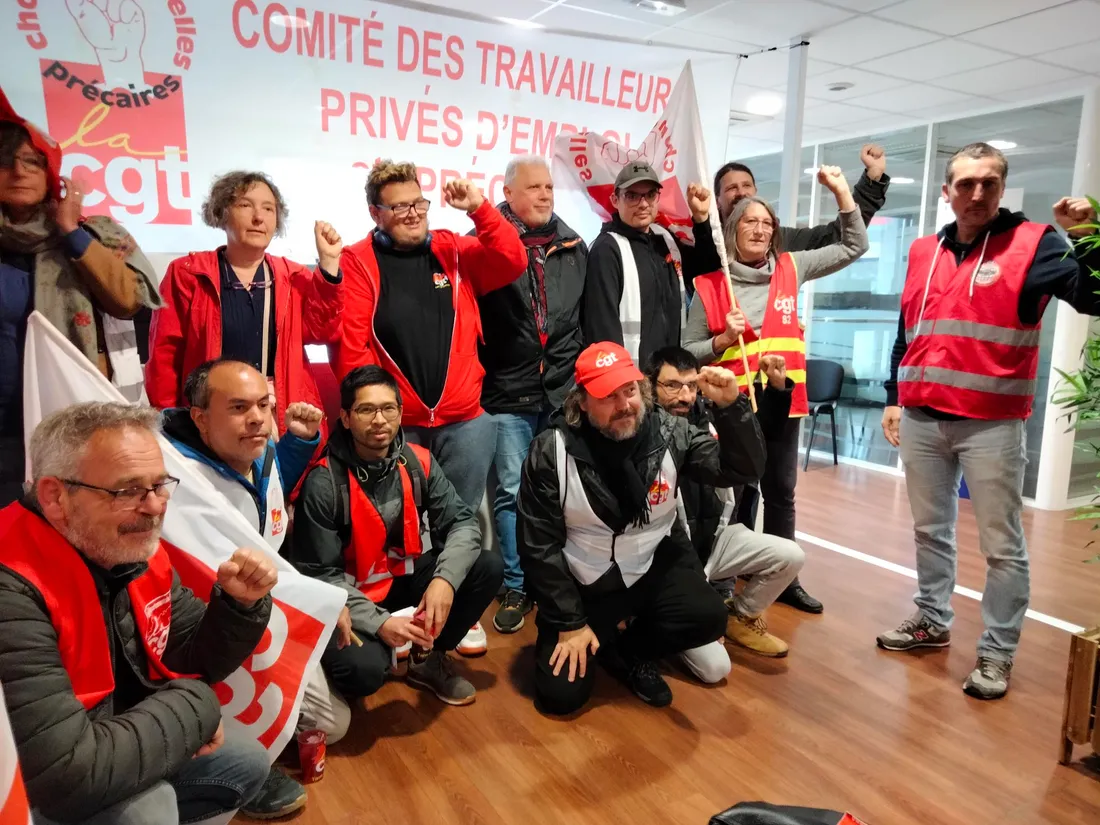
360,671
673,607
778,482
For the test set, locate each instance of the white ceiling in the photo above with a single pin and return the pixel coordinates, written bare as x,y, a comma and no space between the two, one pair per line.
911,61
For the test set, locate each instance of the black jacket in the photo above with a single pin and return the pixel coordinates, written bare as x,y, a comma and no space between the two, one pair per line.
736,457
322,521
76,763
870,197
1055,272
657,283
520,375
702,506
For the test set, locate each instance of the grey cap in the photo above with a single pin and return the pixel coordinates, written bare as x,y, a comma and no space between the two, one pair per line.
636,172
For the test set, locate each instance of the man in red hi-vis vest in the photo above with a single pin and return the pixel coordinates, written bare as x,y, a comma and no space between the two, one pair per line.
107,660
378,517
962,382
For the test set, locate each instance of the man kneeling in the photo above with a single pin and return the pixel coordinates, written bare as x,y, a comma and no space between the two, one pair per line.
98,630
378,517
599,538
730,550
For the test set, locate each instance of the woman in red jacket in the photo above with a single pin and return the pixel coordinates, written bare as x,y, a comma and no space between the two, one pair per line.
412,309
240,302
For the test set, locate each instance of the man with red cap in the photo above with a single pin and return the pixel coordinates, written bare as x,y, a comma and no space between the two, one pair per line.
599,538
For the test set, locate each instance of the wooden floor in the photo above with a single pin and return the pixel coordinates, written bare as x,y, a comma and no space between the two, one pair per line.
839,724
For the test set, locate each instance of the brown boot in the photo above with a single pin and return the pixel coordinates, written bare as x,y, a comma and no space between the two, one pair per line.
753,634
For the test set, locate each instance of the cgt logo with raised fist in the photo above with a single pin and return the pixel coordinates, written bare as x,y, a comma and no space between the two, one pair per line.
120,121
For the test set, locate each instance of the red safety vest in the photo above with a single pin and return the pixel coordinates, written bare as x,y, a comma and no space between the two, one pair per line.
32,548
780,333
372,565
968,353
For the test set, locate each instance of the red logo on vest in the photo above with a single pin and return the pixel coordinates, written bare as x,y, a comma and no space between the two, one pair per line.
988,274
659,490
158,614
277,525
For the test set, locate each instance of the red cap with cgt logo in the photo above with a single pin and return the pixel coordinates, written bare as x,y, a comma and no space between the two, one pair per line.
604,367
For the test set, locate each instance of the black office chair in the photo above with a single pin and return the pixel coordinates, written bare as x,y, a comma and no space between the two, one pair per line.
824,380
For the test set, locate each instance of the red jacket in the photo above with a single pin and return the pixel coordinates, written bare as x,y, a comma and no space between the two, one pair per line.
188,330
475,265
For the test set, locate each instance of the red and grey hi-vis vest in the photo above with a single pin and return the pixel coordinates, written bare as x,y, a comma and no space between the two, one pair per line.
780,333
968,353
32,548
369,562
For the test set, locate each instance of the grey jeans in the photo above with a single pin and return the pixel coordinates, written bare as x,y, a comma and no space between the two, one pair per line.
991,455
464,451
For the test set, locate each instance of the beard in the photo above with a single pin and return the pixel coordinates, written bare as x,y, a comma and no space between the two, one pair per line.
135,541
621,433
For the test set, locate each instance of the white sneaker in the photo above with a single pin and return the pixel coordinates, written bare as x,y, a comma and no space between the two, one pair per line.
474,643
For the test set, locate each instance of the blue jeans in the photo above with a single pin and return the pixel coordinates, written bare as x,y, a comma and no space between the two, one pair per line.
203,788
514,435
464,451
991,455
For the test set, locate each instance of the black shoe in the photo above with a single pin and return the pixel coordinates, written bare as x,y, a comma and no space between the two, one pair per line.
513,607
797,597
279,796
641,676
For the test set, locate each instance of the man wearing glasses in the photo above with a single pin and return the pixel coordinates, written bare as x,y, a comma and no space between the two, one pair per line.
635,280
411,308
107,660
377,516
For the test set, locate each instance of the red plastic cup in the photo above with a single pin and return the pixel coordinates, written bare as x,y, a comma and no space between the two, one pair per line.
311,755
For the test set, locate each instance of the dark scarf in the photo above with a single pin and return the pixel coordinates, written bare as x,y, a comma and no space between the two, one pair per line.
617,463
537,242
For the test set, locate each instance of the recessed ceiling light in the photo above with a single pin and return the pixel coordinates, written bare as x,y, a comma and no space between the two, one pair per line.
665,8
842,86
1002,144
902,180
765,103
522,24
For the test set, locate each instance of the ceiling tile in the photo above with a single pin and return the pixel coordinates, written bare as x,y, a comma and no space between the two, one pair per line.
520,9
763,130
1007,77
934,60
953,17
772,21
865,83
837,115
678,37
746,147
1065,25
864,38
1049,91
767,70
742,92
909,98
1084,58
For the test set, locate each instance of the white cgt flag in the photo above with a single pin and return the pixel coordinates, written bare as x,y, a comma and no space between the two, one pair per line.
589,162
201,530
14,809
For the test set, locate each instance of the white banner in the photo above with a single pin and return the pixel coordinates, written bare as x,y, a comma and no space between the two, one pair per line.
150,99
201,530
14,809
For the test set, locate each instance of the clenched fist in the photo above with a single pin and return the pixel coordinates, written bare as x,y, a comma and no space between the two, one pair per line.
1075,216
775,368
735,328
303,420
66,212
462,194
874,158
329,246
698,198
832,178
718,385
248,576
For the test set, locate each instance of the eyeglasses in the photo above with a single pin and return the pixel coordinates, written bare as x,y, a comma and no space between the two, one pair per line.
676,386
130,498
402,210
634,198
367,412
31,162
763,224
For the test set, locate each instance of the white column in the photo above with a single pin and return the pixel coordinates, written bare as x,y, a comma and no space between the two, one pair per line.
1070,332
792,132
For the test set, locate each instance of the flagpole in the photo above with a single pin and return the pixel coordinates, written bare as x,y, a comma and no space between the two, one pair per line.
720,242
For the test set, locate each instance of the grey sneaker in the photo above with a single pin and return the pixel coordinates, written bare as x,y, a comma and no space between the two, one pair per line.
913,633
989,679
436,673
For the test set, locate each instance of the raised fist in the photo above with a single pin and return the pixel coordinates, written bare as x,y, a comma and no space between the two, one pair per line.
718,385
698,198
832,178
303,420
874,158
248,576
462,194
775,368
116,30
329,246
1075,212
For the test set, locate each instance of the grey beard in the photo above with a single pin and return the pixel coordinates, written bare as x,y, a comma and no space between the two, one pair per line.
610,433
79,536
